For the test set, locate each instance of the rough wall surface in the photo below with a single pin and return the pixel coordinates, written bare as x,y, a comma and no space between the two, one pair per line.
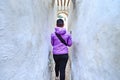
24,39
95,26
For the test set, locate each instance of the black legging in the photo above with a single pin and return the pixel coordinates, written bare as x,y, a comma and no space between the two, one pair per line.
60,65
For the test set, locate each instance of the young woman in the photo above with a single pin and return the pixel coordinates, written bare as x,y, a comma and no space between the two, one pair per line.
60,48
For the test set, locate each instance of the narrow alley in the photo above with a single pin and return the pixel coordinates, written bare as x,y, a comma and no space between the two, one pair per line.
26,27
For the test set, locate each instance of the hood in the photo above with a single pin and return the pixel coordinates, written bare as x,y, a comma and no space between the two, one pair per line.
60,30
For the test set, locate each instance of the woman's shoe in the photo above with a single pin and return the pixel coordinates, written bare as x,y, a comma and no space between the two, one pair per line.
57,78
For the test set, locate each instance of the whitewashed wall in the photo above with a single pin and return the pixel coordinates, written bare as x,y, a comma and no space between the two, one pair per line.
24,38
95,26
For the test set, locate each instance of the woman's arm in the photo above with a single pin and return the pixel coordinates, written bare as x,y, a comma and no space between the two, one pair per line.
52,39
69,41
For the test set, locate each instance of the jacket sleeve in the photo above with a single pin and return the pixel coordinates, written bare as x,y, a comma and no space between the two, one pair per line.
52,39
69,42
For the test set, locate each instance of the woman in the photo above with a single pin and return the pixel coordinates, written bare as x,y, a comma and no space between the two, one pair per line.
60,41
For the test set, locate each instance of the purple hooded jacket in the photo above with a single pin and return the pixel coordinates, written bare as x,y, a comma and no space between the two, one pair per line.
58,46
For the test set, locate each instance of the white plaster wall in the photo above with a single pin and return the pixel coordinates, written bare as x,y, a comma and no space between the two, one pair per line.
24,37
95,26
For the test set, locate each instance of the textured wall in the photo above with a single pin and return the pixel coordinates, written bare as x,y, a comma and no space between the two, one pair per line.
24,38
95,26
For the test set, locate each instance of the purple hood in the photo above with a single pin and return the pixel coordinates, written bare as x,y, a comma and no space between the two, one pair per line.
58,46
59,30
